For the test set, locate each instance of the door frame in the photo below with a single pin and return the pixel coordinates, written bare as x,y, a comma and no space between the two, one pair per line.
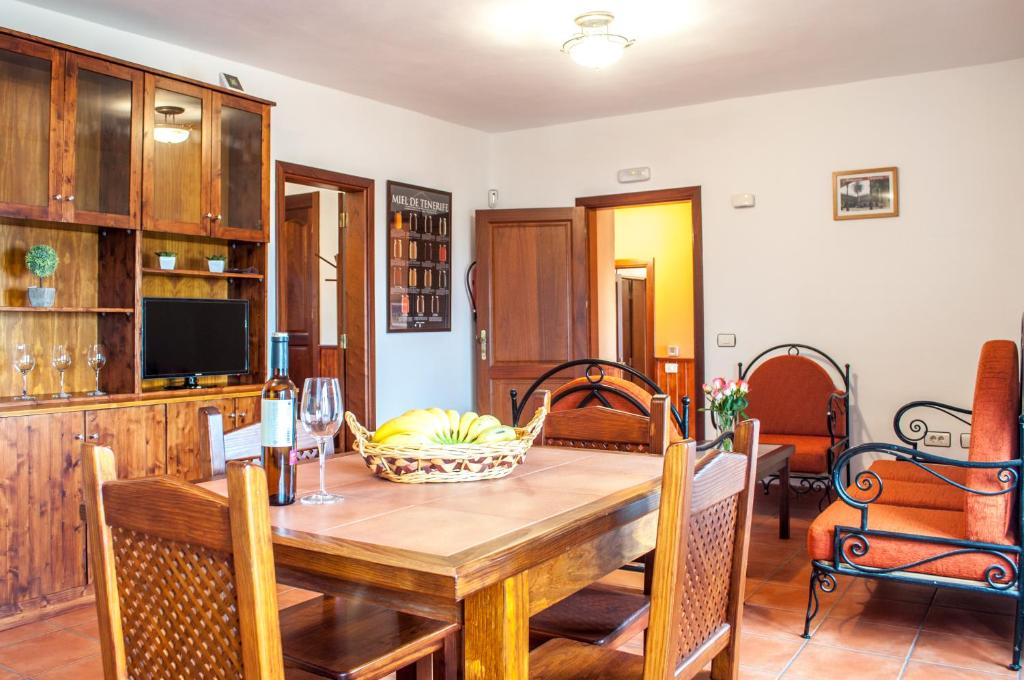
355,279
649,301
654,197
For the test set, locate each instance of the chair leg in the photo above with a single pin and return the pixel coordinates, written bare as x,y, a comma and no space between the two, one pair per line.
1018,635
421,670
726,666
446,660
820,580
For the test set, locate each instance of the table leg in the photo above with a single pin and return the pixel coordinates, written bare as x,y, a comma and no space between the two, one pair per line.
496,631
784,501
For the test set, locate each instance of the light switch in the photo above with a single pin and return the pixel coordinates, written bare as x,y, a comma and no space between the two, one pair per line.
671,368
726,339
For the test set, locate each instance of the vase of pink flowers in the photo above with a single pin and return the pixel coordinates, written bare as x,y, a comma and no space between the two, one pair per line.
727,402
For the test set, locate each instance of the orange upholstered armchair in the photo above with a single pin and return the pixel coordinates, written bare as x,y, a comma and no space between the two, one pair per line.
801,395
916,517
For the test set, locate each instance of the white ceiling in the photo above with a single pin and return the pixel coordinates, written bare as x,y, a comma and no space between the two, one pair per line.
496,65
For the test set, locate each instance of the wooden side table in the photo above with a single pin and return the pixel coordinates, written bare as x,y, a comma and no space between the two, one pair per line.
774,459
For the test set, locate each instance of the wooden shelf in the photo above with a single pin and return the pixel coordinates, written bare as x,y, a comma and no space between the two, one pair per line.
70,310
201,273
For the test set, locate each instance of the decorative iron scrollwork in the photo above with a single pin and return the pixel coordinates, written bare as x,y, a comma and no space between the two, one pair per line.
913,431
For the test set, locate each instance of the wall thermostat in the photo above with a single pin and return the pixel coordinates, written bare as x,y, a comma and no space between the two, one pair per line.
673,350
492,198
743,200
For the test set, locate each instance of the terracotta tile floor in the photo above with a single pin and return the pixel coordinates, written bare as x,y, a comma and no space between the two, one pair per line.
865,630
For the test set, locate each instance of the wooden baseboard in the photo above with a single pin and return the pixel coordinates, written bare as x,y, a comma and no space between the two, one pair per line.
40,608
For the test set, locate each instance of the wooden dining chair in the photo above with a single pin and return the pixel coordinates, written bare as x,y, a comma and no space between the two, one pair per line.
217,447
185,587
699,575
602,614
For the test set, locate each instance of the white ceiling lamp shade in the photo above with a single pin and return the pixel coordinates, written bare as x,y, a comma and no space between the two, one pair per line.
595,46
169,131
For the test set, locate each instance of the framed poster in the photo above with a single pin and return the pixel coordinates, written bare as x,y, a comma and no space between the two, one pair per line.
862,194
419,259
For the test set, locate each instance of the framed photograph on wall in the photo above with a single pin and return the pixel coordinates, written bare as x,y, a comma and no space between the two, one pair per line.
863,194
419,258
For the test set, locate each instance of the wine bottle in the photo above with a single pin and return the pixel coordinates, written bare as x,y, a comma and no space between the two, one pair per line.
277,425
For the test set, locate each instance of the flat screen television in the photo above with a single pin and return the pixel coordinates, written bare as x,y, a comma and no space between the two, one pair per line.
192,337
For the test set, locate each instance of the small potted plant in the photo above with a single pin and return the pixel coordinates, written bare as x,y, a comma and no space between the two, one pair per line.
216,263
42,262
168,258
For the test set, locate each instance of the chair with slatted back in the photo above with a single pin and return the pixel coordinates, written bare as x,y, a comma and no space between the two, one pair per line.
698,586
185,588
601,614
217,447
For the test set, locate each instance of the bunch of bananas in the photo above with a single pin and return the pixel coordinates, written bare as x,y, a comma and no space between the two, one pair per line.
440,426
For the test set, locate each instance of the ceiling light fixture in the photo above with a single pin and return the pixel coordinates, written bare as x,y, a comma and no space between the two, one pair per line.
169,131
595,46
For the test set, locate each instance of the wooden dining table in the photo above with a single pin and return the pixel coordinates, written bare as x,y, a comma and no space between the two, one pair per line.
484,554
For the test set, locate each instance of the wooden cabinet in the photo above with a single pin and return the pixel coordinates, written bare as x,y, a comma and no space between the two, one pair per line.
74,127
42,534
137,435
206,158
183,430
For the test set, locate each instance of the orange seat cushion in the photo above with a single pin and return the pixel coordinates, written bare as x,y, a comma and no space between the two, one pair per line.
912,495
901,471
615,401
893,552
791,394
811,453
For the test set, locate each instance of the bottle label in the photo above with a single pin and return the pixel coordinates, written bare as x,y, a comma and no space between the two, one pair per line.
277,422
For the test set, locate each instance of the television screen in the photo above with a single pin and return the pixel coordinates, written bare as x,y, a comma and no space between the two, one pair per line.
183,337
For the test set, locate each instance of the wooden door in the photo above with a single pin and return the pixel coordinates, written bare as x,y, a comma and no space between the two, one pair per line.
31,101
176,172
102,163
240,194
42,533
183,435
298,288
531,298
137,435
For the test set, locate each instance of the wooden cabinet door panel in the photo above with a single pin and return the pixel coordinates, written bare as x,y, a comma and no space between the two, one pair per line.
176,176
137,435
183,435
31,97
42,534
531,296
247,411
240,157
102,165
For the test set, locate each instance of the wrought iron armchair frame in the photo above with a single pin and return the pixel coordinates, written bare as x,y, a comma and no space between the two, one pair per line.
917,429
595,375
1004,577
836,402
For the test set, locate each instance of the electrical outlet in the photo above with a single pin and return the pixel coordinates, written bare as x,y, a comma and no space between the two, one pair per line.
937,439
726,339
965,440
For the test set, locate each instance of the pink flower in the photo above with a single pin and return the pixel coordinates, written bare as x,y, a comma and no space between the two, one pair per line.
718,383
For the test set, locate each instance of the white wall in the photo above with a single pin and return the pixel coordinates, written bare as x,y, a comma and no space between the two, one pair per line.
907,301
317,126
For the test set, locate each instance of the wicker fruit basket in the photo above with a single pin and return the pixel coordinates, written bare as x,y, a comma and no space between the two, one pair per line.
412,464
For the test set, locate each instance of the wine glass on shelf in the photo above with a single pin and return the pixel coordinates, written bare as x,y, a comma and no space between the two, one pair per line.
96,356
321,413
24,362
61,360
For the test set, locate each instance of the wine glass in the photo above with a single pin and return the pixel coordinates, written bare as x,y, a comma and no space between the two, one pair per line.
61,360
24,362
96,357
321,413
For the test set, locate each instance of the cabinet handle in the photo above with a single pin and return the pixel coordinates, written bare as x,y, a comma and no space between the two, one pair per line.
80,437
208,216
241,414
217,217
58,197
71,198
94,436
232,415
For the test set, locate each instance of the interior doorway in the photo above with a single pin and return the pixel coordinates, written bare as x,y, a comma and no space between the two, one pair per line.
324,243
655,238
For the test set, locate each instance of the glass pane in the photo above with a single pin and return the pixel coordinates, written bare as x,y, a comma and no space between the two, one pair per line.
241,157
103,143
24,129
177,157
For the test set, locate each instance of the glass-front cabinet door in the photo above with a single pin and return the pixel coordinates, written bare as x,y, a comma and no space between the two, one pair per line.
31,87
176,157
103,127
241,184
